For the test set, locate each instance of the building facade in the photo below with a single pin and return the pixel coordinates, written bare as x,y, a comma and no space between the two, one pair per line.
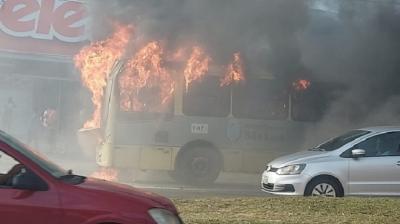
38,39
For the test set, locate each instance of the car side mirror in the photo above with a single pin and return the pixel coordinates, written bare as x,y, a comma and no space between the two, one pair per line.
27,180
357,153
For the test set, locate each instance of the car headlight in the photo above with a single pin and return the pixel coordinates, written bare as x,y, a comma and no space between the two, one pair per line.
291,169
162,216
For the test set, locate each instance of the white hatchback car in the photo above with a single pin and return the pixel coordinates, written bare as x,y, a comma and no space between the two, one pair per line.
360,162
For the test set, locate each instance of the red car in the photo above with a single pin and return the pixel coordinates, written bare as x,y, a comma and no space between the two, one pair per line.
34,190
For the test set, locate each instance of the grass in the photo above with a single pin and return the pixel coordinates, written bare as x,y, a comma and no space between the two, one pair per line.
289,210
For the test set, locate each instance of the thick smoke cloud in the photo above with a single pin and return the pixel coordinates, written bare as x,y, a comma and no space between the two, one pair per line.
264,31
351,42
361,50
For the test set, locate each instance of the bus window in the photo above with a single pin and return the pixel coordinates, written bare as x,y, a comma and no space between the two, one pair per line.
260,99
207,98
308,104
144,103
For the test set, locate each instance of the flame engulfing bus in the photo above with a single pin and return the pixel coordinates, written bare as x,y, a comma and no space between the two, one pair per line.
172,111
204,128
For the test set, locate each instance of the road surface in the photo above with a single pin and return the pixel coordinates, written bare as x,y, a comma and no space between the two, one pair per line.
227,185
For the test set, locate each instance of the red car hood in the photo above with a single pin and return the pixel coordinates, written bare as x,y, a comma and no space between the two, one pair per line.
127,191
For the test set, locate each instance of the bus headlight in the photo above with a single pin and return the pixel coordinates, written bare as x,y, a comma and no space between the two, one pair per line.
291,169
162,216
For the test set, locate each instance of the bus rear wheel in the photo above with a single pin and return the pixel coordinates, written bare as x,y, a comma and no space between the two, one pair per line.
198,166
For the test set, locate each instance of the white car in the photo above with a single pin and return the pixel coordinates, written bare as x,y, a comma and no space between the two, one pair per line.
360,162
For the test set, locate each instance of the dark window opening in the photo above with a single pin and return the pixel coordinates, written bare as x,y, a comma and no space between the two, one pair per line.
310,104
207,98
260,99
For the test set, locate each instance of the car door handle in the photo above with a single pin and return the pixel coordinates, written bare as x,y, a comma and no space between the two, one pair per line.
398,163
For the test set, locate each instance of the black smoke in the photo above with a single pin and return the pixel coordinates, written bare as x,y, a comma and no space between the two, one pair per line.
265,31
357,45
351,42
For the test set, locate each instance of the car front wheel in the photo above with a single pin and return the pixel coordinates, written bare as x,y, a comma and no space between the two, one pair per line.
323,187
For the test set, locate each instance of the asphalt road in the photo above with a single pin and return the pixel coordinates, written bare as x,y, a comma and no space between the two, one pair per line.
217,190
227,185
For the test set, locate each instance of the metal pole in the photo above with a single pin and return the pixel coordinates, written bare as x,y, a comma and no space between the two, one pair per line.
58,112
290,107
231,101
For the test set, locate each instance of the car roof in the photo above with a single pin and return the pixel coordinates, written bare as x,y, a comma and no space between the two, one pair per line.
378,129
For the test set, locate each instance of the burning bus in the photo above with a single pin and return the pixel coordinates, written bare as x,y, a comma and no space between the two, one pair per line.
154,111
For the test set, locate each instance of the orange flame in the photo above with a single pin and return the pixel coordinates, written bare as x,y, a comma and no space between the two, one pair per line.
145,71
108,174
235,71
197,66
301,84
95,62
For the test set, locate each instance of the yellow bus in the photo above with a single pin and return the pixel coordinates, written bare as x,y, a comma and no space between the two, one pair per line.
206,129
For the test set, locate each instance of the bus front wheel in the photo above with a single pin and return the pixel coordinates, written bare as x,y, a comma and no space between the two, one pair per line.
198,166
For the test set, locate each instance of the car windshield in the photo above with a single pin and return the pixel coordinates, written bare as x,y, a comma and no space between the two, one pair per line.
35,157
340,141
